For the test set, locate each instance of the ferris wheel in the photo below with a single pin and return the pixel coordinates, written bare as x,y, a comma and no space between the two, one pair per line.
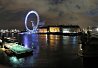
34,26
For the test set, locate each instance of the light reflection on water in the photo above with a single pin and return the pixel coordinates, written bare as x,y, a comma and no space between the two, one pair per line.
41,44
30,40
22,62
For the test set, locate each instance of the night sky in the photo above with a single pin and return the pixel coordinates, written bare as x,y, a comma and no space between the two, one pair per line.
52,12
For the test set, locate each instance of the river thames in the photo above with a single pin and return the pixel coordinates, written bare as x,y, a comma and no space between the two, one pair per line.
49,51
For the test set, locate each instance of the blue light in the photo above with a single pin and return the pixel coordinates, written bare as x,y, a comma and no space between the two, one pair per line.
33,26
26,41
30,40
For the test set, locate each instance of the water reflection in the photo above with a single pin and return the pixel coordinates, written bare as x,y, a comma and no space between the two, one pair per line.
15,61
49,40
22,62
53,41
65,40
29,41
48,50
73,39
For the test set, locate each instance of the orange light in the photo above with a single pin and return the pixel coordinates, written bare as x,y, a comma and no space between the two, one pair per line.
54,29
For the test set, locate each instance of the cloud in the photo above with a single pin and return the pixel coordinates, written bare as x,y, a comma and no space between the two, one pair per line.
45,5
80,12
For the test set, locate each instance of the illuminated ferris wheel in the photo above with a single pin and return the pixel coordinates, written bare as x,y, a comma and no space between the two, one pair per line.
34,26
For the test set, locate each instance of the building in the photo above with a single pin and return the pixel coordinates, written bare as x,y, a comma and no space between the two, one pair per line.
60,29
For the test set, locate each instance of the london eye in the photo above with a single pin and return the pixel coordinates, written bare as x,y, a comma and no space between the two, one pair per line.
34,26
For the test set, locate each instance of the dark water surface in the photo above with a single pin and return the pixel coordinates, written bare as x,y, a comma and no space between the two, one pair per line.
50,51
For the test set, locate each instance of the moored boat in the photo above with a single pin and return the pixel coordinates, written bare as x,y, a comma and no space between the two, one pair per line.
17,50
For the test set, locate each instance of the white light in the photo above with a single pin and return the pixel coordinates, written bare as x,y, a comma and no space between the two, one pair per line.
66,31
80,47
96,29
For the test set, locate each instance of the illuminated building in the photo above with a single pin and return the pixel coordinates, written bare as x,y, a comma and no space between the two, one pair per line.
60,29
43,30
54,29
71,29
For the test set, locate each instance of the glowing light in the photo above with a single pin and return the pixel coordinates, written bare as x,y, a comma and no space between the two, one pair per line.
26,41
54,29
80,47
42,31
96,29
15,60
34,26
66,31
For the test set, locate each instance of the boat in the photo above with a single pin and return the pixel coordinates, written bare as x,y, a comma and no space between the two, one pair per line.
17,49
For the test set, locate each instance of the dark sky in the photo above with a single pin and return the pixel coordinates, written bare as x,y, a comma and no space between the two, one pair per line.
53,12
